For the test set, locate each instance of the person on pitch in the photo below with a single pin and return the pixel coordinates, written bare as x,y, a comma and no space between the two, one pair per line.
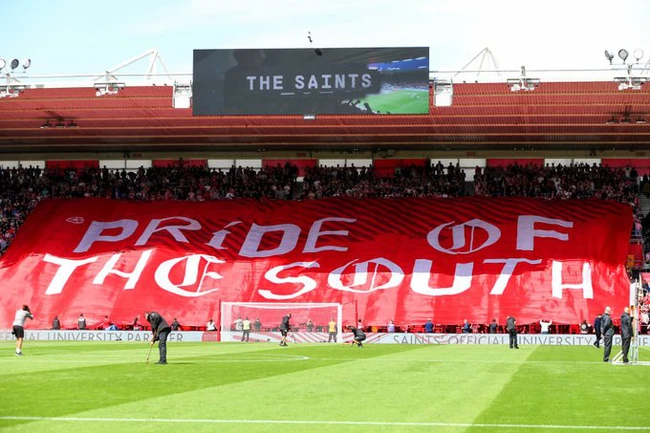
627,333
607,330
285,327
160,329
81,322
597,321
493,326
19,327
246,334
359,336
331,326
511,326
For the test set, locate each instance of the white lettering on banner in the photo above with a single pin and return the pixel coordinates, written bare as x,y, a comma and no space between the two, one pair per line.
458,236
308,284
191,275
94,233
334,279
128,336
133,277
290,233
218,237
508,268
526,232
174,230
558,286
314,233
66,268
422,274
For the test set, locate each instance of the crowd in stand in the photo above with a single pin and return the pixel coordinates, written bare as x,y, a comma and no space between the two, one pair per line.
558,182
410,181
21,189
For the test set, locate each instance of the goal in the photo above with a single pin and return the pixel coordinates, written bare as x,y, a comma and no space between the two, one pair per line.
270,315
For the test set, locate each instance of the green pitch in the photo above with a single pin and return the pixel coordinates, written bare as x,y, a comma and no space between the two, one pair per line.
259,387
400,102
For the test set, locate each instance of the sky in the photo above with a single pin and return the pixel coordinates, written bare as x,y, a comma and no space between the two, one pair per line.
84,37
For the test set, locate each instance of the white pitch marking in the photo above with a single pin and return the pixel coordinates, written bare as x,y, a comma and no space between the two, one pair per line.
325,422
42,360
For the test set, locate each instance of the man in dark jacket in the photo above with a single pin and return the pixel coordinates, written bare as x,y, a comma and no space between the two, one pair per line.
626,333
359,336
511,326
285,327
493,326
597,321
607,329
160,329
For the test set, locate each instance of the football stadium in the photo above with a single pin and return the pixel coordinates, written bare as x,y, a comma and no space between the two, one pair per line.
325,239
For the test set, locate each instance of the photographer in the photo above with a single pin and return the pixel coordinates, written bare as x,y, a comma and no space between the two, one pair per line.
19,327
359,336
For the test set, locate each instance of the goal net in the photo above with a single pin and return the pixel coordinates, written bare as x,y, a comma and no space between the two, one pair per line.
309,322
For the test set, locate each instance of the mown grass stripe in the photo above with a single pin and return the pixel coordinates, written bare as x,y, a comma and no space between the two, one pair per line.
328,422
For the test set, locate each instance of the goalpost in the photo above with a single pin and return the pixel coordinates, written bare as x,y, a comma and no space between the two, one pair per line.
267,316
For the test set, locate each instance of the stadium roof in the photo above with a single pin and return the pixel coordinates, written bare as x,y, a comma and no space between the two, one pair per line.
556,115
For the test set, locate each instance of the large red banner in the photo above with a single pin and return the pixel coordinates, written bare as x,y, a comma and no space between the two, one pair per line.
405,260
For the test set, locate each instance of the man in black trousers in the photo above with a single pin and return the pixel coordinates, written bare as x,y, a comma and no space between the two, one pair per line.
626,333
607,329
160,329
359,336
285,327
511,326
597,321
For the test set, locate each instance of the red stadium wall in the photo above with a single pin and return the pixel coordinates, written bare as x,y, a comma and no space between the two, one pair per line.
75,164
387,167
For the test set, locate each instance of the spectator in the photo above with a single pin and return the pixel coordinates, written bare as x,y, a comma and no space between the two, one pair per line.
211,326
428,327
544,325
81,322
391,326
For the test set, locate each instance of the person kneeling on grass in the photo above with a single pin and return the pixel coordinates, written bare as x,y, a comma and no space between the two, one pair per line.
359,336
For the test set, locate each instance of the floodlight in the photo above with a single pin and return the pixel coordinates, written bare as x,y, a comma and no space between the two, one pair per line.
609,56
3,63
14,63
27,63
623,54
638,54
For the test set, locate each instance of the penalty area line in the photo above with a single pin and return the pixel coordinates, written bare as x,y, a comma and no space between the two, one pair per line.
325,422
